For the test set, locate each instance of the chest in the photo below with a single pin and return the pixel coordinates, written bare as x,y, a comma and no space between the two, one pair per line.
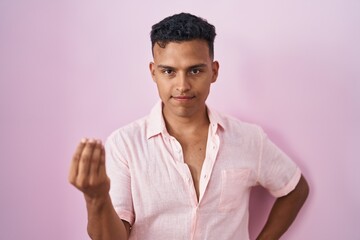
194,156
194,153
182,175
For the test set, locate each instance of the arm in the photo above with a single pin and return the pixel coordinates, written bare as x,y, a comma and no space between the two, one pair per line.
87,173
284,212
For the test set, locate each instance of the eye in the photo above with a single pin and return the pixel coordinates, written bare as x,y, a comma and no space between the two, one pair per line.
167,71
195,71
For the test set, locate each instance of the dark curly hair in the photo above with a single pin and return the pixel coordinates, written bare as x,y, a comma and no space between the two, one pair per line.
183,27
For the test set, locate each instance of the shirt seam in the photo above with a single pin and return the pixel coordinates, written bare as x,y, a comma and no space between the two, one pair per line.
260,154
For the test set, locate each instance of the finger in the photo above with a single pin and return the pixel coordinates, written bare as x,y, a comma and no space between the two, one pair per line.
102,170
84,164
75,160
95,159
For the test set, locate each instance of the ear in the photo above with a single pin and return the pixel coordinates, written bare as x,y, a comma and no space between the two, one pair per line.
152,70
215,70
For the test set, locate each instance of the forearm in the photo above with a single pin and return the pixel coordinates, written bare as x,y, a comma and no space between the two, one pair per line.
103,222
87,173
284,212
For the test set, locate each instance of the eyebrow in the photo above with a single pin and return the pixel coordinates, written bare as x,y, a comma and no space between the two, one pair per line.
164,66
202,65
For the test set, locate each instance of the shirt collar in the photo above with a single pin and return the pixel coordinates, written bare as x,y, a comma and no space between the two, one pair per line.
156,123
215,120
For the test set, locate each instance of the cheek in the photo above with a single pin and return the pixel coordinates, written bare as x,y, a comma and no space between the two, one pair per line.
205,90
163,88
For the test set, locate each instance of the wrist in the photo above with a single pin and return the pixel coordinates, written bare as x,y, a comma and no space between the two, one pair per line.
98,202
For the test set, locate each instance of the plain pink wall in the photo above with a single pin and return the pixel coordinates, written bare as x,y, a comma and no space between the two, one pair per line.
70,69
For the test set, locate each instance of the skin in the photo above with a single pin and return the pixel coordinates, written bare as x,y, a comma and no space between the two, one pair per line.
284,212
183,73
87,173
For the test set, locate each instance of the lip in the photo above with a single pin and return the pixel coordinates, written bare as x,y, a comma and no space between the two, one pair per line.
183,98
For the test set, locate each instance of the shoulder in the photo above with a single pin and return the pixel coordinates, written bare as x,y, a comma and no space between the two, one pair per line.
235,126
129,132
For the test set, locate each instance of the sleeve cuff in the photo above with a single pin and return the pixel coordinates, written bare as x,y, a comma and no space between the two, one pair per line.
289,187
126,216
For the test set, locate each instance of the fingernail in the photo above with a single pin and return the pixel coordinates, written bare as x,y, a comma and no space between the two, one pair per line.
83,140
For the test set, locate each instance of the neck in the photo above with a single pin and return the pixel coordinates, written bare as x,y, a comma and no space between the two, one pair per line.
183,125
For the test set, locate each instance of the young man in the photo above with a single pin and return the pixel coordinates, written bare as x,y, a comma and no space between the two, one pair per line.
185,171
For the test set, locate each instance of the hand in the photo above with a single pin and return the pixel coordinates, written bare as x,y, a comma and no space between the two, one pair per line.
87,171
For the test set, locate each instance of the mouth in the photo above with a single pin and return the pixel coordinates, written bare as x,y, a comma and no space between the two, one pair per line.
183,98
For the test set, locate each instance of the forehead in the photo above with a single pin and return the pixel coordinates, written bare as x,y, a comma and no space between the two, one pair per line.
182,53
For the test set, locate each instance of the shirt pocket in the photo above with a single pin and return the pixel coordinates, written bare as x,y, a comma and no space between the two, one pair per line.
235,189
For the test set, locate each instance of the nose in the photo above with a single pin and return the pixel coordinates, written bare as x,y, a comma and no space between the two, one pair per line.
182,83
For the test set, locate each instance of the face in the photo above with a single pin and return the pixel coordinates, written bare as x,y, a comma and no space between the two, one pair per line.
183,73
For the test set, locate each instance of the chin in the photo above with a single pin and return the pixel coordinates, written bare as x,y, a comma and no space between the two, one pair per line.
185,112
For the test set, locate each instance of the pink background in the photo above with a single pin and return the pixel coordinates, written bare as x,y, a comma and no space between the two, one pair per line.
70,69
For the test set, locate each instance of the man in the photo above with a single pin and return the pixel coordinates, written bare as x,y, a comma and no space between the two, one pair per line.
185,171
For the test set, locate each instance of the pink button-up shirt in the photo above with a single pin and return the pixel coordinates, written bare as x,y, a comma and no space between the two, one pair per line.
152,187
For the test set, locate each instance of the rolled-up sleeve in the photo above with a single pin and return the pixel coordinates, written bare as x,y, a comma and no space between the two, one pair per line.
276,171
118,171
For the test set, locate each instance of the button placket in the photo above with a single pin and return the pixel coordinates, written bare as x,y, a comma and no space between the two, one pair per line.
209,164
176,148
